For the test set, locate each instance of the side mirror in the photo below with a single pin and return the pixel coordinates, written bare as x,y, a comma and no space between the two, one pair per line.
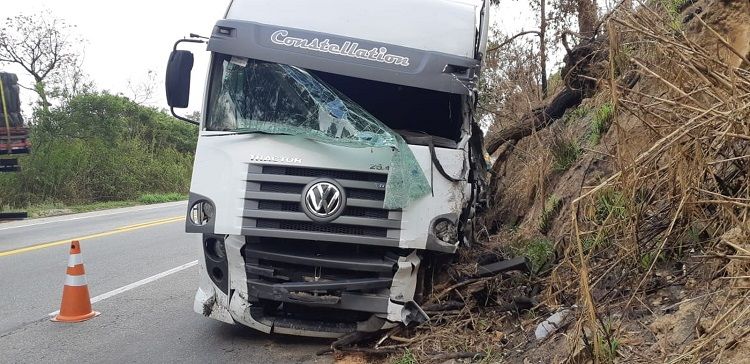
178,78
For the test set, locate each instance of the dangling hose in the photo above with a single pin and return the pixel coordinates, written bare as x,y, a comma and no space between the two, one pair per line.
5,115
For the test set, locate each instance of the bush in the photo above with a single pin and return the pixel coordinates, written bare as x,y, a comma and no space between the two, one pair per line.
101,147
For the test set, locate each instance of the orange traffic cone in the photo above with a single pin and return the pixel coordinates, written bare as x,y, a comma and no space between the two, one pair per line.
76,304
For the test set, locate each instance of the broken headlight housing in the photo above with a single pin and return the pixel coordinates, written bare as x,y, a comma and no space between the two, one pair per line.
201,213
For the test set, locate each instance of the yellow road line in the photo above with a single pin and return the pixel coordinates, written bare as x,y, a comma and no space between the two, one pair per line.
93,236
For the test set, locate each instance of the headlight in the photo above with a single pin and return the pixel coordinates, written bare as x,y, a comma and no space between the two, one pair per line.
201,212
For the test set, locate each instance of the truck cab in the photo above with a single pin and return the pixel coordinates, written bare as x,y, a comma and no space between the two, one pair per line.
338,158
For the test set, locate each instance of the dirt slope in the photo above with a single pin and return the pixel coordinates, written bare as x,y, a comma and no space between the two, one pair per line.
632,209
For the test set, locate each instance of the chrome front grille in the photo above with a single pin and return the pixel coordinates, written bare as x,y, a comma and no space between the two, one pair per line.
322,228
349,211
273,208
331,173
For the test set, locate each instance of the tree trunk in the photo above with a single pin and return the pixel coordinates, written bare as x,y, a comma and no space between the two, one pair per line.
587,17
536,119
543,47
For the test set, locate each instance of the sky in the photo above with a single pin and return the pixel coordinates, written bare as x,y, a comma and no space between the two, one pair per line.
126,39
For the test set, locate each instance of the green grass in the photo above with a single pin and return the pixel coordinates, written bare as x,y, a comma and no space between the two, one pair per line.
600,122
673,10
551,207
539,251
564,154
40,210
96,206
596,240
610,204
578,113
591,242
152,198
610,208
608,344
648,258
406,358
54,208
490,356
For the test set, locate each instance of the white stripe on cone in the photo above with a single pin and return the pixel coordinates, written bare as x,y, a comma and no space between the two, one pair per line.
75,281
74,260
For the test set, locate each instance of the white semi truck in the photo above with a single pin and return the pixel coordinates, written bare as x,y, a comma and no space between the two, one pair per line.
338,159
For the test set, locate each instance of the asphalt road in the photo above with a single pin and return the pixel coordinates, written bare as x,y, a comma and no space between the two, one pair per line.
151,322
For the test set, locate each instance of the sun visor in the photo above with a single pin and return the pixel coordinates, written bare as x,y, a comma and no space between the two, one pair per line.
352,57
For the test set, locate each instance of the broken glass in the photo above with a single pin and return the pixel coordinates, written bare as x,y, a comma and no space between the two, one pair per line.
249,96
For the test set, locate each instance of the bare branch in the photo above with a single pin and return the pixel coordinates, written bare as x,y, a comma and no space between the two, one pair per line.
42,44
511,39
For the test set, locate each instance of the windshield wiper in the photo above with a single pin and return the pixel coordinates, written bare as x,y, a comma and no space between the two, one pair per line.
243,132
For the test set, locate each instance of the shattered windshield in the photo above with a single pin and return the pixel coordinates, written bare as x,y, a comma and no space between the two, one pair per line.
250,96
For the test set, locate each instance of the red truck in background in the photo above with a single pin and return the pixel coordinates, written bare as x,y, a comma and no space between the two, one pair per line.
14,136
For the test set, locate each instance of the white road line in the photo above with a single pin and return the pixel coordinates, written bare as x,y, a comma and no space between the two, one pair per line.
122,289
93,214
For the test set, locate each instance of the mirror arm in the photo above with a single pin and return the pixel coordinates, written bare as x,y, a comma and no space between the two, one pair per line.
183,118
187,41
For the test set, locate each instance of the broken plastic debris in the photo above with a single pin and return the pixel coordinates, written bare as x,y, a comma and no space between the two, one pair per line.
412,313
519,263
551,324
271,98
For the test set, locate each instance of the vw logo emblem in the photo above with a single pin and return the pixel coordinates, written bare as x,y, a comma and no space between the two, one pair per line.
323,200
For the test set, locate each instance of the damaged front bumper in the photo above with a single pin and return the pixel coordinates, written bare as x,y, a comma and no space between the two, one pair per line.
318,290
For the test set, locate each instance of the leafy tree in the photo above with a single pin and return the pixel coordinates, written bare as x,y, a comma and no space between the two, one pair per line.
102,147
44,46
70,81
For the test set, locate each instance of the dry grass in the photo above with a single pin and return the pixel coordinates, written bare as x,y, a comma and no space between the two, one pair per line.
682,168
678,155
654,245
483,324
